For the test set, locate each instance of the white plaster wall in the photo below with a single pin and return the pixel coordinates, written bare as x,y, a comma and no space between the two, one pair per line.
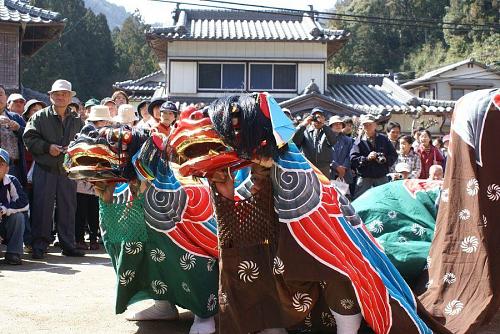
306,72
182,79
290,51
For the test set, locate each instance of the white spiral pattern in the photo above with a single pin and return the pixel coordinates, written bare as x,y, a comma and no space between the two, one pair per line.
347,303
301,302
278,266
307,321
469,244
428,263
464,214
392,214
418,229
210,264
159,287
248,271
127,277
445,195
322,284
185,287
223,298
187,261
157,255
472,187
376,226
327,319
493,192
429,283
402,240
133,248
454,307
485,221
449,278
212,302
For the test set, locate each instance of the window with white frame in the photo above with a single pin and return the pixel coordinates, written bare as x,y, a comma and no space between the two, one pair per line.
273,76
217,76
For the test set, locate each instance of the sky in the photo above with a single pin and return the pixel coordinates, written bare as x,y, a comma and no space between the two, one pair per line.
157,12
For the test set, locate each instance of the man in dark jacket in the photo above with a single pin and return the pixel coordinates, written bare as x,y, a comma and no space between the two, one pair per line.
11,138
371,156
47,136
316,139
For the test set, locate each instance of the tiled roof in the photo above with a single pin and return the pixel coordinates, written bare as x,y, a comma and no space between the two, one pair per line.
376,93
22,12
145,84
246,25
429,76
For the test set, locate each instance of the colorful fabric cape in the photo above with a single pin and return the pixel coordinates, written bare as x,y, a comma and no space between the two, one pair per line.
163,243
401,215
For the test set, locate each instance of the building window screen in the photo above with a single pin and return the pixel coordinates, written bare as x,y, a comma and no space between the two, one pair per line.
273,77
221,76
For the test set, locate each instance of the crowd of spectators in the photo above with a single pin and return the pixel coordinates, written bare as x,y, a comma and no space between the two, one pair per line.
41,206
356,156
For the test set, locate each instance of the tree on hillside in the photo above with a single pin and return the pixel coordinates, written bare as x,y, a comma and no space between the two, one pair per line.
84,53
134,58
381,47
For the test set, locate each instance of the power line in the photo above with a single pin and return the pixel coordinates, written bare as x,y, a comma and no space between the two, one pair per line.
374,20
424,20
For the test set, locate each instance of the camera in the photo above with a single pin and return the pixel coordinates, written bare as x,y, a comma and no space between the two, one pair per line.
381,159
316,118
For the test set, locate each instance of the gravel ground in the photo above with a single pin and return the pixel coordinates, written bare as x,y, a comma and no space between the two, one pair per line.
76,295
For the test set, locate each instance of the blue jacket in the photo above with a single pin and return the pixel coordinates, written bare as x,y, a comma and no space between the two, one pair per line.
366,168
341,157
13,199
20,144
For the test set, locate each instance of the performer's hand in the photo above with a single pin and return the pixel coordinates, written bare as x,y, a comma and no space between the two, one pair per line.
105,190
55,150
223,182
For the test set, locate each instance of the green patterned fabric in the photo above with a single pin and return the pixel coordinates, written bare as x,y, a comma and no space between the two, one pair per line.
401,215
150,266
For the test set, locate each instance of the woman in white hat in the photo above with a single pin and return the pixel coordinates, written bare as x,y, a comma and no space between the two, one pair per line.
99,116
126,115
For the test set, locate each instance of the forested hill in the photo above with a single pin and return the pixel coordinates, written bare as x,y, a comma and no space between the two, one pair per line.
399,45
115,14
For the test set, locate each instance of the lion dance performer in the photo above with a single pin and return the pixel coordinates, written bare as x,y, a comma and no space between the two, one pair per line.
464,268
293,254
160,235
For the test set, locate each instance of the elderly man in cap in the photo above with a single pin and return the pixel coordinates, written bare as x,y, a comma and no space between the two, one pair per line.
15,103
341,158
13,206
371,156
47,136
315,138
11,137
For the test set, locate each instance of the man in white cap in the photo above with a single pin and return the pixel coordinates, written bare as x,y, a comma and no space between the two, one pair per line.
47,136
11,138
15,103
371,156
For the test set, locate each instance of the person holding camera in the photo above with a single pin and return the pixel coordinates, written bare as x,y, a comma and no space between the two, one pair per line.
316,138
46,137
371,156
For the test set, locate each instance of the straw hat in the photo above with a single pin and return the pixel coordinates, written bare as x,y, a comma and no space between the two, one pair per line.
126,114
335,119
62,85
99,113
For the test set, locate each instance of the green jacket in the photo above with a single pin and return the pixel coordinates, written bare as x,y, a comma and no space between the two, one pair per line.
46,128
